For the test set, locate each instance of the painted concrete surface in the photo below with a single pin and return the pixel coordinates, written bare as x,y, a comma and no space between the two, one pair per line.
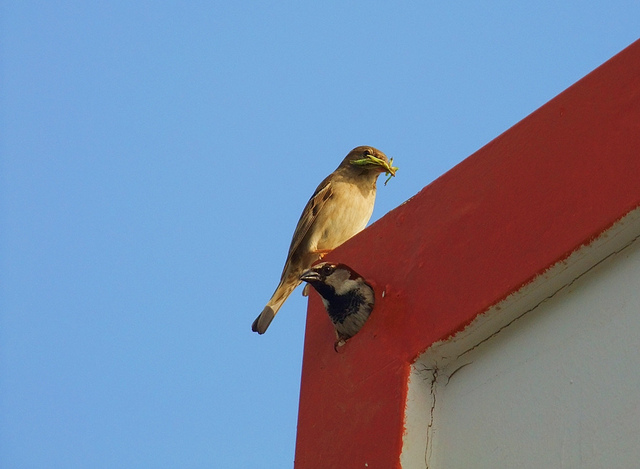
559,387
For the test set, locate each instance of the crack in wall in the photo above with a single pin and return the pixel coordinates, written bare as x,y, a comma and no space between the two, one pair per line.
432,391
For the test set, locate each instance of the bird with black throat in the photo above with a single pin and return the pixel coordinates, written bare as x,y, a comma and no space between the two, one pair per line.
346,296
340,207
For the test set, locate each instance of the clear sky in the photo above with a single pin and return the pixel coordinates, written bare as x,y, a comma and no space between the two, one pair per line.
155,159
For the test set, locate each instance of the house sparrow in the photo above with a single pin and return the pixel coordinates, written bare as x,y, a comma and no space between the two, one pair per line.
346,296
339,208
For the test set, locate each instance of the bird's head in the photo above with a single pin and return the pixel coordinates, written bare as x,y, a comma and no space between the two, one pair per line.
346,296
338,277
371,159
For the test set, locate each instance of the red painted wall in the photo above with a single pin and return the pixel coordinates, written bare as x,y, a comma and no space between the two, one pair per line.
548,185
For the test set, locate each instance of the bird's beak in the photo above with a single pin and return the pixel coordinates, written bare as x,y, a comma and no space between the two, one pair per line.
310,276
387,166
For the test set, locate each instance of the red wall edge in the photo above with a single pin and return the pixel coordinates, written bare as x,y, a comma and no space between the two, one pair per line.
526,200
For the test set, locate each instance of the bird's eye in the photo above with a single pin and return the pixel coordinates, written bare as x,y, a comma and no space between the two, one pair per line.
327,270
367,152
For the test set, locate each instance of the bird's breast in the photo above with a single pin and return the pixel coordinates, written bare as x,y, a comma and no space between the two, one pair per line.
345,214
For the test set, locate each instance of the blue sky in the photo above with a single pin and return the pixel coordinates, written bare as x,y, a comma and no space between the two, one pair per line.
155,157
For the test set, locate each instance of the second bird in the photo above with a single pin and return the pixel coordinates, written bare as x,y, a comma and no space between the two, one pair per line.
339,208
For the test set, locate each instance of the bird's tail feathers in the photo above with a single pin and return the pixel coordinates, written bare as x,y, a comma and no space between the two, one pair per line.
263,320
269,312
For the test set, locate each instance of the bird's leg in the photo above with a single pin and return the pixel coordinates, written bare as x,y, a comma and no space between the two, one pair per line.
322,252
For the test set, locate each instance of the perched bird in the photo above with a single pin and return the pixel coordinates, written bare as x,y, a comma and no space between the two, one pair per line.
339,208
346,296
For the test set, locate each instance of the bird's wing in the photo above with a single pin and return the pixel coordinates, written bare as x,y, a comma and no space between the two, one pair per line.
310,213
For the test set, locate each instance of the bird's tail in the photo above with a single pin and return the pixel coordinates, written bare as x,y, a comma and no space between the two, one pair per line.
269,312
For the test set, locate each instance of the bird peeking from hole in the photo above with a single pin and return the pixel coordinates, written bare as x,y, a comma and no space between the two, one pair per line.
346,296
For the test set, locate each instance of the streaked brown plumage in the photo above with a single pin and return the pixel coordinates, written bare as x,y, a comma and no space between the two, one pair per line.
339,208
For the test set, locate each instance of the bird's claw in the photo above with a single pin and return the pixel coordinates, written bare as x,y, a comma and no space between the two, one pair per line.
322,252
